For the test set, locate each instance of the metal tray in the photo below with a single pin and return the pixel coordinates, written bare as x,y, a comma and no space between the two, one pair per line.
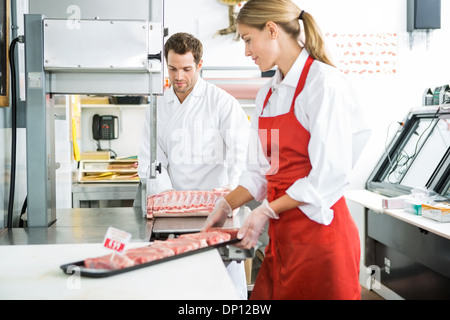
102,273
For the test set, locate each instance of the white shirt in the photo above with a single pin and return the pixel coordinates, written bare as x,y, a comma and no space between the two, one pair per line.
327,109
201,143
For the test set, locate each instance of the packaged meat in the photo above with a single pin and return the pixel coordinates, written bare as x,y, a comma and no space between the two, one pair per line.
172,202
111,262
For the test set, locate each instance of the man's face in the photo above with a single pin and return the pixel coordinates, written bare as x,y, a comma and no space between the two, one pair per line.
183,72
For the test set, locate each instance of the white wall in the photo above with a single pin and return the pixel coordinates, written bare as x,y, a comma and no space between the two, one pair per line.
131,119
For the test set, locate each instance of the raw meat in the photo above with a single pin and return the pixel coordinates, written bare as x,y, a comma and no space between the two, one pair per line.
149,253
162,249
231,231
110,262
183,201
180,245
211,237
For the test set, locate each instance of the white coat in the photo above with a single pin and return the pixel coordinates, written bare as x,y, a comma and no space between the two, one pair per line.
201,143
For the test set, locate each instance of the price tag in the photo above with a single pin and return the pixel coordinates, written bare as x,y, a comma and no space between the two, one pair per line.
116,239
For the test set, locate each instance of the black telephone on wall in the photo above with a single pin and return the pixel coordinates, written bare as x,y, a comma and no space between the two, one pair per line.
105,127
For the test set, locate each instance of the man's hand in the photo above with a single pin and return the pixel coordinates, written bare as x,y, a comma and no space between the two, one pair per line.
218,216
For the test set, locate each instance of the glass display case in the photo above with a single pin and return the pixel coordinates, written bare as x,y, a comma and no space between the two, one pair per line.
418,155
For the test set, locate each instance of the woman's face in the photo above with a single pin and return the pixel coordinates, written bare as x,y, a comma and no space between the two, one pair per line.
260,45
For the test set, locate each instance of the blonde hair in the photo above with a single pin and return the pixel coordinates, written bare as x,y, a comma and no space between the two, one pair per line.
286,14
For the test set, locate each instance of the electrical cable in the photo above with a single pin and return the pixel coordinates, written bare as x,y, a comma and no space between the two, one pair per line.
403,160
99,148
22,224
12,184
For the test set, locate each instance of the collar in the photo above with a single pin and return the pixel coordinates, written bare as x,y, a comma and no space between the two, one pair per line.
198,91
291,79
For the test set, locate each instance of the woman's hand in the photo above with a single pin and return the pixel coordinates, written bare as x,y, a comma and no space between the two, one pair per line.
254,224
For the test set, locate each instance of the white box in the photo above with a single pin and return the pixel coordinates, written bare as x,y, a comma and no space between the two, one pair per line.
439,211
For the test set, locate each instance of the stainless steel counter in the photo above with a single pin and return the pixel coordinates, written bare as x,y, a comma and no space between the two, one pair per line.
84,192
89,225
82,225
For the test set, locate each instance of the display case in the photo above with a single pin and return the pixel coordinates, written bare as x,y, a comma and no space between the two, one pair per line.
418,155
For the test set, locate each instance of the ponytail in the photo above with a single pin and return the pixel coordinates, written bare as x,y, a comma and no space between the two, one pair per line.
286,14
314,42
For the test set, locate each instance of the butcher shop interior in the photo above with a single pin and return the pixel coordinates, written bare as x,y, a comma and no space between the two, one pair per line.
97,200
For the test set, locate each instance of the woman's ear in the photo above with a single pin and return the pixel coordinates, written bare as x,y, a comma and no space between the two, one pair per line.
272,27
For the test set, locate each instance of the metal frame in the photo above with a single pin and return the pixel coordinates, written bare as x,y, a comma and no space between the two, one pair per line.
42,83
40,130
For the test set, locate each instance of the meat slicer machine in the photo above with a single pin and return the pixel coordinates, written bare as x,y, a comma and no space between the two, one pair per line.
102,47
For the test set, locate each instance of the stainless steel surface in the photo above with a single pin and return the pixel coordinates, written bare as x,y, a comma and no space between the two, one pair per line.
88,9
74,226
40,124
175,225
82,226
126,80
96,45
178,225
232,253
153,135
102,191
117,83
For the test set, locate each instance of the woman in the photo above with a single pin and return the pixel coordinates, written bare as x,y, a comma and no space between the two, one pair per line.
308,125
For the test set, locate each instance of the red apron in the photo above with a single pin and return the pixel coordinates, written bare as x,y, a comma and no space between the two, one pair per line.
304,259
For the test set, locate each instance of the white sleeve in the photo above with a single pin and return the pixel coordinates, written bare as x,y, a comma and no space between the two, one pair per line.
330,150
234,128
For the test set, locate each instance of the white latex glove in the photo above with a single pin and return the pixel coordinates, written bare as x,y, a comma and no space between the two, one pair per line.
254,224
218,216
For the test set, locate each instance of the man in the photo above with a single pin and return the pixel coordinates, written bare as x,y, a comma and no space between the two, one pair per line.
202,133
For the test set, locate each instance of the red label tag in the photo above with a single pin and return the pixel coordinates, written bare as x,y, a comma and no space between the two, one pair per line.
116,239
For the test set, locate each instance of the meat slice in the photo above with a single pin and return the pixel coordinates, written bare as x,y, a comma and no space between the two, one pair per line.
180,245
211,237
148,254
110,262
231,231
183,201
